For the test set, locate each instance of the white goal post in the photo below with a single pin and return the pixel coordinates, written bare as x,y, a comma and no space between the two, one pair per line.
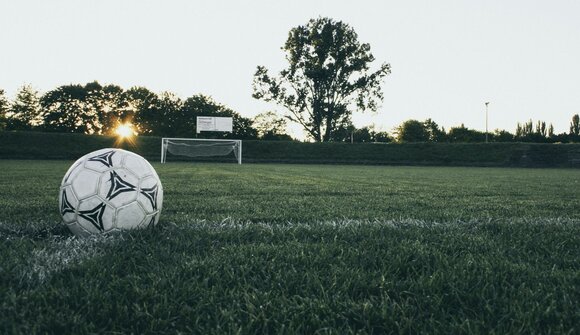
197,147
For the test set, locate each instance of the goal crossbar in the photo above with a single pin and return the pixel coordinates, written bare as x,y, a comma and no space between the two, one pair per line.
194,147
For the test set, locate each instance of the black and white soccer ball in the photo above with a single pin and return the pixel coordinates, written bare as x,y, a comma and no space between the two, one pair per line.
110,190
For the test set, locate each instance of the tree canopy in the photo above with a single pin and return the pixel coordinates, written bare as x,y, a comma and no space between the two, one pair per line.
327,79
24,112
412,131
575,127
4,108
96,109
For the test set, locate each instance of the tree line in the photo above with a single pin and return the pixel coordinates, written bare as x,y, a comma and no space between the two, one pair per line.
538,132
96,109
328,78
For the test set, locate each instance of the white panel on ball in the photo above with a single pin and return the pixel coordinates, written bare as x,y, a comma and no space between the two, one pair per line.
131,216
85,183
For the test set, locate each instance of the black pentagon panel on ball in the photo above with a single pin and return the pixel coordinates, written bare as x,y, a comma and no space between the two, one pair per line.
105,158
65,206
95,216
152,221
118,186
151,194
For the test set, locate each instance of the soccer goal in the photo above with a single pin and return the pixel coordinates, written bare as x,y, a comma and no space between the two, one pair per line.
193,147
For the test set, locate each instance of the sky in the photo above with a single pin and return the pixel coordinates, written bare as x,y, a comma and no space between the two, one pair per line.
448,57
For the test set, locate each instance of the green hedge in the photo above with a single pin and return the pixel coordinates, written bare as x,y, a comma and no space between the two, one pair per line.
35,145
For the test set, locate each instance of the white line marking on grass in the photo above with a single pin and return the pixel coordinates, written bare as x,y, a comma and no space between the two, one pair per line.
62,253
230,223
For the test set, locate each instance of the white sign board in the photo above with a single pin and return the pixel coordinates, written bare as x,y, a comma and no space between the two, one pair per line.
213,123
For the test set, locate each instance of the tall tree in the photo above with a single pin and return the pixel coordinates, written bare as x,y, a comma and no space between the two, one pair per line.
94,105
66,110
540,134
90,109
575,128
143,104
167,110
25,110
327,78
464,134
524,131
382,136
4,108
541,128
344,132
412,131
194,106
114,109
364,134
436,134
502,136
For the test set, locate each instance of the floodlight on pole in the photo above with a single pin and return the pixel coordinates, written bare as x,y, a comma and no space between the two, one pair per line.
486,104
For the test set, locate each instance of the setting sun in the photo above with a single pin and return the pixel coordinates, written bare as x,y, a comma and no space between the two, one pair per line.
125,130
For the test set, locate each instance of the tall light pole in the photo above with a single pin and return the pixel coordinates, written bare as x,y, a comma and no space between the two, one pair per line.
487,103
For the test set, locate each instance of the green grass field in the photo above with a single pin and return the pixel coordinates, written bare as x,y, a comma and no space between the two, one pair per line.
301,249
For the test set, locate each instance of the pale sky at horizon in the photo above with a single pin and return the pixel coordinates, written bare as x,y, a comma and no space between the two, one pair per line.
448,57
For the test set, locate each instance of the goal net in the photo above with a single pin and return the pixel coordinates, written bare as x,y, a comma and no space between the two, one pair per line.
193,147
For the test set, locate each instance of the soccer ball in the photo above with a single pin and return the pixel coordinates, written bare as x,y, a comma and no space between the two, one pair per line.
110,190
